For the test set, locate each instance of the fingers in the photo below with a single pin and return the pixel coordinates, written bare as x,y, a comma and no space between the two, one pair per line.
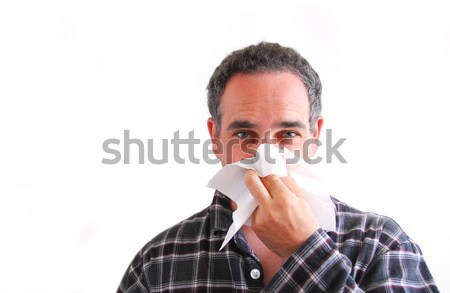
292,185
276,187
271,186
256,187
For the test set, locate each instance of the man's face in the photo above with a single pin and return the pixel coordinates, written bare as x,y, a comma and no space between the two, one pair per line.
270,107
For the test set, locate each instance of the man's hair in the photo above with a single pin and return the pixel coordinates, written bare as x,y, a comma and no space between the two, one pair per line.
264,57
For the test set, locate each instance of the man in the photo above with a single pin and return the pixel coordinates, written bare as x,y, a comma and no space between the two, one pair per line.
270,93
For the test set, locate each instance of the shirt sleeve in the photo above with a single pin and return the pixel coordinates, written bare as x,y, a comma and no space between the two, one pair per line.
134,279
318,266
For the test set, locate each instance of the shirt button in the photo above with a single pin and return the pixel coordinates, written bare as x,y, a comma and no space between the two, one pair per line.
255,274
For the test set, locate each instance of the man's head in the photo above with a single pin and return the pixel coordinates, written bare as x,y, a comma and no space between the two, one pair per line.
261,88
264,57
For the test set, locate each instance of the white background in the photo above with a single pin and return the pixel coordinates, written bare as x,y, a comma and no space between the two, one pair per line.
74,73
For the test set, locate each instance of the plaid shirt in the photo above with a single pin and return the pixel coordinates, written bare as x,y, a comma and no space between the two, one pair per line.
367,253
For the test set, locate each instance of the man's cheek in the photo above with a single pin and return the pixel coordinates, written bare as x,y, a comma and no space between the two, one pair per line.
287,143
248,147
237,150
229,151
293,145
309,148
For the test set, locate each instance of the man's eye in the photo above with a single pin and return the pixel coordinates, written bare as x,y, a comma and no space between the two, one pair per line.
289,134
243,134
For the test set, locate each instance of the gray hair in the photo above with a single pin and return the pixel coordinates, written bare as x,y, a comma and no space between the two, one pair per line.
264,57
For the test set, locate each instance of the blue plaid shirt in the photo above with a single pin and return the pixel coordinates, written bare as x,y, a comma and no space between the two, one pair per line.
367,253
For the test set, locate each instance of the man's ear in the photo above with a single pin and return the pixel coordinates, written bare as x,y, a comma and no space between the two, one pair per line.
312,148
318,127
216,146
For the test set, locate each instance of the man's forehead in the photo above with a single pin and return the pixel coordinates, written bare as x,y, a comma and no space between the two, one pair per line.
250,124
273,87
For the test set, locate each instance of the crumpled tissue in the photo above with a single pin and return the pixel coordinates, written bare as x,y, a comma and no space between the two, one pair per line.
270,160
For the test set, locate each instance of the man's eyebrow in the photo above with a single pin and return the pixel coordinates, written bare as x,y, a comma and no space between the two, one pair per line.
291,124
240,124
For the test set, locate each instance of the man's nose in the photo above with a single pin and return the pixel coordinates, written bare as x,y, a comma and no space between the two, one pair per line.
268,138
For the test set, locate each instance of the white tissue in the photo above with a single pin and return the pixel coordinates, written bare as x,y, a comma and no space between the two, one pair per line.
271,160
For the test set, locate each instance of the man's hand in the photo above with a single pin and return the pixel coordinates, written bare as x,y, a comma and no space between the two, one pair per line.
283,221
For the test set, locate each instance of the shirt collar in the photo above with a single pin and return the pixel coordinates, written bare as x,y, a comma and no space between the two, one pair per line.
221,214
